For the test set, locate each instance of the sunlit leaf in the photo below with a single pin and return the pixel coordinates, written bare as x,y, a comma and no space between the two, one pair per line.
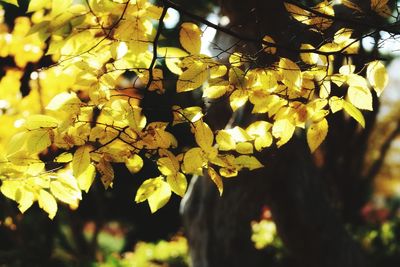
178,183
377,76
48,203
190,37
360,97
38,140
283,130
156,191
192,78
203,135
13,2
134,163
316,134
354,113
81,160
248,162
216,179
86,178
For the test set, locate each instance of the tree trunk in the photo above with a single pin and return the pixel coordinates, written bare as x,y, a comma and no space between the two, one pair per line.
218,228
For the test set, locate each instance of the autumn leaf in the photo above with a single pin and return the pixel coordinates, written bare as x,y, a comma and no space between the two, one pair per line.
216,178
156,191
190,37
81,160
377,76
316,134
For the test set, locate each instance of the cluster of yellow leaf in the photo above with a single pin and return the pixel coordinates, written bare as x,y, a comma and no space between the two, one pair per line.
91,110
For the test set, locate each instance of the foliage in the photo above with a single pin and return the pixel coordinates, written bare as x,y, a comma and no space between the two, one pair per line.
173,253
108,61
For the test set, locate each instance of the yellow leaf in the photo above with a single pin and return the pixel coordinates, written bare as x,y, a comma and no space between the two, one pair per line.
59,6
238,98
134,163
291,74
377,76
263,141
168,165
354,113
178,183
194,161
118,50
283,129
216,179
16,191
322,23
360,97
216,89
136,120
107,172
25,199
48,203
156,191
13,2
249,162
172,58
309,57
157,80
225,141
68,102
316,134
351,5
258,128
86,178
64,158
217,71
260,131
343,36
237,77
203,135
381,7
269,48
40,121
35,5
236,59
38,140
193,77
325,89
189,114
81,160
65,188
336,104
238,134
298,13
190,37
16,143
244,148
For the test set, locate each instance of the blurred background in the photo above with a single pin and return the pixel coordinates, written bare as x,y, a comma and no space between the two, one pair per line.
109,229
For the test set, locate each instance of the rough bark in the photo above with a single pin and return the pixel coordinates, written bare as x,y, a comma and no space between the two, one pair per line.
218,228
